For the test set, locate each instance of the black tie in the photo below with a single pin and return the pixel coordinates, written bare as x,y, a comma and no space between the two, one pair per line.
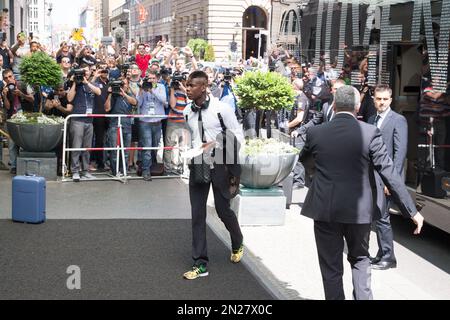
377,118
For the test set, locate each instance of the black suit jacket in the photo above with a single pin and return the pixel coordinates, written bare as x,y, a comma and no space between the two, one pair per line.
346,152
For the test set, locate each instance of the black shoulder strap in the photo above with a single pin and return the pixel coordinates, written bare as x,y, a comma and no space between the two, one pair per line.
235,142
222,123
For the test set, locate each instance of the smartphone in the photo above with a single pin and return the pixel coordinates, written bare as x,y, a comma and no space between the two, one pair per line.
31,35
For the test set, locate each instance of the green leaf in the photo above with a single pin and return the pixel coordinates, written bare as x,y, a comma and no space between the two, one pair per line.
265,91
39,69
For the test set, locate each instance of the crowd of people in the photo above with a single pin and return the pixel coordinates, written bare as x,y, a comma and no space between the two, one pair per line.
142,81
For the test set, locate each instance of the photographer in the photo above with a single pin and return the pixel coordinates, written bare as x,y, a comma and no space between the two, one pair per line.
164,80
175,136
151,101
100,124
227,94
14,97
120,101
56,103
81,94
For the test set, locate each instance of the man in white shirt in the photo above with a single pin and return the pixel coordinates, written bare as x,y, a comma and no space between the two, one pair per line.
203,121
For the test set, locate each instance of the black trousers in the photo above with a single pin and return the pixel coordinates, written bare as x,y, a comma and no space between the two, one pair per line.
385,235
198,194
330,248
100,127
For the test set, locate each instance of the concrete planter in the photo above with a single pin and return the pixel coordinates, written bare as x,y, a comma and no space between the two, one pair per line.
266,170
36,137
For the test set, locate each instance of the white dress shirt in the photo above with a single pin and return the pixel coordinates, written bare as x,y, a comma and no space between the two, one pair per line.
382,117
211,123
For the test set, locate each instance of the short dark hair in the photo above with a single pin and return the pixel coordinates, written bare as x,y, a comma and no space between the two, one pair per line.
382,88
6,71
198,74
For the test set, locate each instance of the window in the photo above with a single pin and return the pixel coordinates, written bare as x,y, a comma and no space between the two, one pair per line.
289,24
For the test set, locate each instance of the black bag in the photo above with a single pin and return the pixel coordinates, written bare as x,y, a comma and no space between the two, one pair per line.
157,169
200,171
234,169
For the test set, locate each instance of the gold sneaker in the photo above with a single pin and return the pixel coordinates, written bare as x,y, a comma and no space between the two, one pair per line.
237,255
195,272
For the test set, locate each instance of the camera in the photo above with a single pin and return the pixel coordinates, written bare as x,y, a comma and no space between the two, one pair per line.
124,68
177,77
78,75
147,85
115,86
11,87
228,75
165,71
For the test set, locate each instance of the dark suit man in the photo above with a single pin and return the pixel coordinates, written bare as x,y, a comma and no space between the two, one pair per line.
394,130
205,126
343,193
324,116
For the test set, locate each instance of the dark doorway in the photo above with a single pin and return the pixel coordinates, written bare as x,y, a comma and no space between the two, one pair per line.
254,21
252,44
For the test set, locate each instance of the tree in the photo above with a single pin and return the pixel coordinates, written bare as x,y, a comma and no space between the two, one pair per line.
202,49
39,70
262,93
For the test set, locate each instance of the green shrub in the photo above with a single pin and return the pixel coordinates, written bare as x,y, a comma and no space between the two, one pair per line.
264,91
198,45
39,69
209,54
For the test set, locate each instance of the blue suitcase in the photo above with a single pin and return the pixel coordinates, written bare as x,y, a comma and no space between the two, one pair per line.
28,199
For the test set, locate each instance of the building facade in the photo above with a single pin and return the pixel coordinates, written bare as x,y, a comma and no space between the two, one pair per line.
40,20
235,28
14,18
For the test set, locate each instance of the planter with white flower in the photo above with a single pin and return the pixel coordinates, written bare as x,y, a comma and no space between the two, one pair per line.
36,132
265,162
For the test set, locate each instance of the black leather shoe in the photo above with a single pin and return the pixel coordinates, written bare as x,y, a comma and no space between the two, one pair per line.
384,265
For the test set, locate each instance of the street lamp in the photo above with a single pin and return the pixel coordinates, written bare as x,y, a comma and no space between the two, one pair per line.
236,28
233,44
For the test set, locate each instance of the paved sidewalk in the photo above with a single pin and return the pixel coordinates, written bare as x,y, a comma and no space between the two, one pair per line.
285,259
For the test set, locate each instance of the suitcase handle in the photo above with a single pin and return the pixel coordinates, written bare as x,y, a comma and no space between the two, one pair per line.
26,167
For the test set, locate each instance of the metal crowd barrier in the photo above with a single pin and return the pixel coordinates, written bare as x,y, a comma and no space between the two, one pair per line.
120,149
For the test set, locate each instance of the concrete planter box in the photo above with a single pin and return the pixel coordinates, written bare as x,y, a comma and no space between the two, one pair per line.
36,137
264,171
